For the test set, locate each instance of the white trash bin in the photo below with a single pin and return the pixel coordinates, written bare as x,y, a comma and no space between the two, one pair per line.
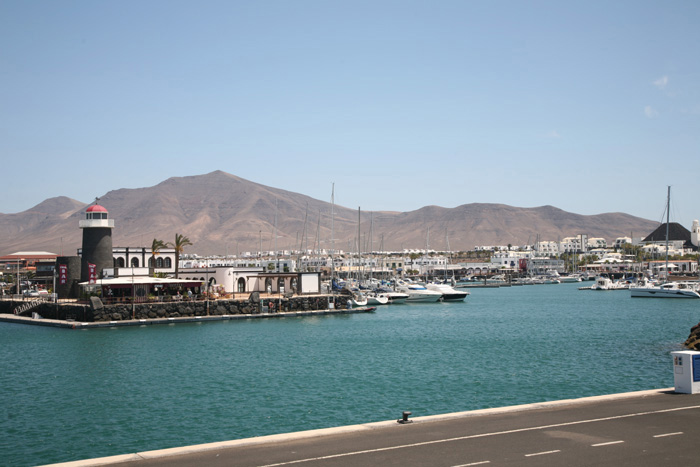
686,371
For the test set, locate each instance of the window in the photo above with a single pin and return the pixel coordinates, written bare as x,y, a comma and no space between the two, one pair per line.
134,262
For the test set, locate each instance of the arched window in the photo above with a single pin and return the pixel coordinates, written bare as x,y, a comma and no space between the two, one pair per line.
151,263
168,263
241,285
134,262
159,263
120,262
268,284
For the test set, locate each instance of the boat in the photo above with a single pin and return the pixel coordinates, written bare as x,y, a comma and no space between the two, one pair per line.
393,296
417,292
605,283
377,298
396,297
571,278
667,288
680,289
449,294
353,297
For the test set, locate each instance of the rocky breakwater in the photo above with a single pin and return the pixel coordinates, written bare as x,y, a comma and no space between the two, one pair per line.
253,305
693,341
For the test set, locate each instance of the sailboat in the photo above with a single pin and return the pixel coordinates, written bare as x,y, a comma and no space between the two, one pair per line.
667,289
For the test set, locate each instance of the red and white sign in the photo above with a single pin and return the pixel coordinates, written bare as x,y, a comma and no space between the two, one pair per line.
92,273
63,274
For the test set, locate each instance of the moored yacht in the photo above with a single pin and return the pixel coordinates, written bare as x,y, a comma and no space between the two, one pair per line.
667,290
377,298
417,292
449,294
605,283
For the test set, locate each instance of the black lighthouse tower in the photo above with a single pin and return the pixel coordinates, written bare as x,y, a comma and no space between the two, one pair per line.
97,243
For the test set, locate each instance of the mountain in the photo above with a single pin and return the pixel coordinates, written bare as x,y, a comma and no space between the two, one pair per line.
221,213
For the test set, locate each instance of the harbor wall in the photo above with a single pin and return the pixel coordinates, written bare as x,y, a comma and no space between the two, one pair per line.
97,312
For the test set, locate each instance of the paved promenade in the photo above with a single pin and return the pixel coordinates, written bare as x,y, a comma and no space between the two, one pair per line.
648,428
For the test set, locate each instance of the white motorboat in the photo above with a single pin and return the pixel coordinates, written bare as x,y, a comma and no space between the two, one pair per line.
396,297
374,299
417,292
605,283
667,290
571,278
449,294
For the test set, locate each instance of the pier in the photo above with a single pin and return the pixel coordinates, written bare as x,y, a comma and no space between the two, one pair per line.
66,324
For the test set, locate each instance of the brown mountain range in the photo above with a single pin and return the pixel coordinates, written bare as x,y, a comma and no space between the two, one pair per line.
222,213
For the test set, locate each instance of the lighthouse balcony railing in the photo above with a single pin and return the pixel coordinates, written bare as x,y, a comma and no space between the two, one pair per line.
88,223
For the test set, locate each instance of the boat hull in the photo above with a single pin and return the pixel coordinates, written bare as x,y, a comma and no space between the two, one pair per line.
423,298
396,297
454,297
656,292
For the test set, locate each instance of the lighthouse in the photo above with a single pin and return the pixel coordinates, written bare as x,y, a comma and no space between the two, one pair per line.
97,243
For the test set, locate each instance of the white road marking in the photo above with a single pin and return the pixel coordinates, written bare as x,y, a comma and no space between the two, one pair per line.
481,435
668,434
541,453
473,463
607,444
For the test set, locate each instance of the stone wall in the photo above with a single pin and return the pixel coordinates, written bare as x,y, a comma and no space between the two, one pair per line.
96,311
47,310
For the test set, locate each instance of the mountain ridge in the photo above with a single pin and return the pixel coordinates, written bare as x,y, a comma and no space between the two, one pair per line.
221,213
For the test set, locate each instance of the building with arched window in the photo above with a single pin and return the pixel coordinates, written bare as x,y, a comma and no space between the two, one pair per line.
142,257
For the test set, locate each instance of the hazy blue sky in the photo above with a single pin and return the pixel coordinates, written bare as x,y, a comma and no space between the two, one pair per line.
590,106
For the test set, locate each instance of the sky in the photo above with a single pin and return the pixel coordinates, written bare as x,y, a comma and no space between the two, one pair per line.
589,106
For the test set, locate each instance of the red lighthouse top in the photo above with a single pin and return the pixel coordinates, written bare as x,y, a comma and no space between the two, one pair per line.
96,216
96,208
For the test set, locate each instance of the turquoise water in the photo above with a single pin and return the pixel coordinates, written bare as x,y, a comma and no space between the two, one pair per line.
69,394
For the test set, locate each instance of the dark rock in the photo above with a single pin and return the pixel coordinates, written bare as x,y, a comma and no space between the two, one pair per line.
96,303
693,341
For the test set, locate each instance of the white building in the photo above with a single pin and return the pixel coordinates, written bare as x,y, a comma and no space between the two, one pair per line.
597,242
142,257
575,244
548,248
695,234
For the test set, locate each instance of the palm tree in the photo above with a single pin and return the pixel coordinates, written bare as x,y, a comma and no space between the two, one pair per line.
156,246
180,243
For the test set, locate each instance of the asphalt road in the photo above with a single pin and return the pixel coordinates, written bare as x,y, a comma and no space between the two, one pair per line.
649,428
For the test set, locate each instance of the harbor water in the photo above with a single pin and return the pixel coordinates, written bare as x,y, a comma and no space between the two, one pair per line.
77,394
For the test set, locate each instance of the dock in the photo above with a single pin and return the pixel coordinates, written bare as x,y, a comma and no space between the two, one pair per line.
67,324
655,427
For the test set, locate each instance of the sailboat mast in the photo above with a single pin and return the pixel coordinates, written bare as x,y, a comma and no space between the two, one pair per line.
277,258
359,246
332,232
668,214
371,245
